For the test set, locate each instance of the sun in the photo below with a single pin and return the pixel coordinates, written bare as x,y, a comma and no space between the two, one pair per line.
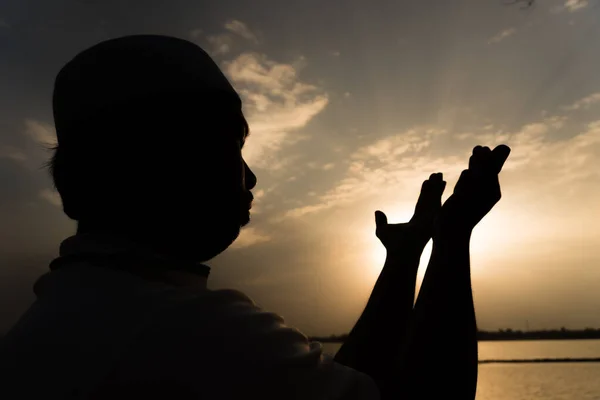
372,248
494,233
371,254
378,255
490,238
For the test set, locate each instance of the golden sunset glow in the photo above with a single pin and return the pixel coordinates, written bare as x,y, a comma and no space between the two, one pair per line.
350,109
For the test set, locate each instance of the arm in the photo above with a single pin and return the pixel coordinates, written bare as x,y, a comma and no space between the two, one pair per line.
387,315
442,353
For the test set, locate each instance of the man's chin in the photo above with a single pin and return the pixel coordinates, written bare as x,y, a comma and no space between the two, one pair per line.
244,217
245,220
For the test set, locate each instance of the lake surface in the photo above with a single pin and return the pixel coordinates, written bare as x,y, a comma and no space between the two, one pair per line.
548,381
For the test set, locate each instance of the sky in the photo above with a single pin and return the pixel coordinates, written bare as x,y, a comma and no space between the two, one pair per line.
351,104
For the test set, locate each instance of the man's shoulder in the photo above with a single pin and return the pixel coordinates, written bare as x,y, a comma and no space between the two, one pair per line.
221,330
205,304
225,312
211,339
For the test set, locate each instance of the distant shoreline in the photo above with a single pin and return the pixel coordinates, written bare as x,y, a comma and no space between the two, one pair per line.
541,361
504,335
329,340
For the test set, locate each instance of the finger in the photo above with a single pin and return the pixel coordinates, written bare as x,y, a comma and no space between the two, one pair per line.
439,185
465,177
474,159
436,177
380,219
480,160
439,190
480,150
426,188
483,150
485,160
499,156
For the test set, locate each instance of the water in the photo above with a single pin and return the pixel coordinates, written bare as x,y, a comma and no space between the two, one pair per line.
529,349
551,381
554,381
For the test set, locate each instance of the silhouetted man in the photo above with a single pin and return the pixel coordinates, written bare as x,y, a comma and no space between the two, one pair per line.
149,164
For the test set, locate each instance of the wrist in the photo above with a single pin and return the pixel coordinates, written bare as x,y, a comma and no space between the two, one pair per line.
406,250
452,235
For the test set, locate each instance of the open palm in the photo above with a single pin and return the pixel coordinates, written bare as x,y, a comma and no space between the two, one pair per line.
475,193
419,229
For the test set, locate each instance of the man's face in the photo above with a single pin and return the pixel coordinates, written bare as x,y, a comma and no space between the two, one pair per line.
188,187
231,178
217,204
249,184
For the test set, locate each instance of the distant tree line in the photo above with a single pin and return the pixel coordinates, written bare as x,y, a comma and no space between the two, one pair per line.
524,3
507,334
554,334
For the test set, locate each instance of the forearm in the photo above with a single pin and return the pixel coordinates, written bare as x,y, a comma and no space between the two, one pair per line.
393,296
443,343
386,317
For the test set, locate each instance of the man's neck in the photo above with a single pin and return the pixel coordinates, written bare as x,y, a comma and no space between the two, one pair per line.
187,280
174,270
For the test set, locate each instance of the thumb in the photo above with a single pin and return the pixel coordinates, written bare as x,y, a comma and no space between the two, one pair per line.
380,219
499,156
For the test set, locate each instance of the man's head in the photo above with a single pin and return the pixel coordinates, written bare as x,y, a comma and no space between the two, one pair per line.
149,145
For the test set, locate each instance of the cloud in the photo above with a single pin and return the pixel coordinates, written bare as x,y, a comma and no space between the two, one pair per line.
241,29
196,33
545,164
500,36
276,103
51,197
576,5
259,194
382,166
530,142
4,24
390,148
221,44
566,160
585,102
540,164
310,209
13,153
249,237
40,132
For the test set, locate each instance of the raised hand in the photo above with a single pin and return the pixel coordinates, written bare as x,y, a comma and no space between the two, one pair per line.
419,229
475,193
